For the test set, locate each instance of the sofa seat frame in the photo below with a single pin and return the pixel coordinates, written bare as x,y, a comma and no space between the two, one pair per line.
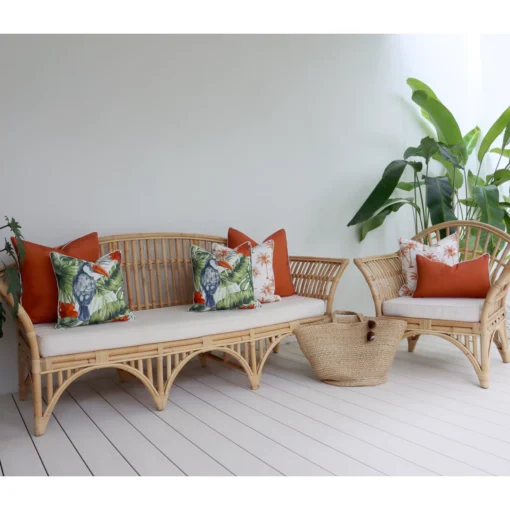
383,275
157,273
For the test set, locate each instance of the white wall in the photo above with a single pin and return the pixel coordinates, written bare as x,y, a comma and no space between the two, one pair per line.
198,133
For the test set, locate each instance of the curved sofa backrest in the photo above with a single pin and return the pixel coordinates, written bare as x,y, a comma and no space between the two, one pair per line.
475,239
157,267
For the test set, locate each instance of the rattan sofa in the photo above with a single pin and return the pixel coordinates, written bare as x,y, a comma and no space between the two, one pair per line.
484,321
158,280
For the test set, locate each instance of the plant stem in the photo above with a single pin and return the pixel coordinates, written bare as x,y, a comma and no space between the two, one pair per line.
5,226
425,211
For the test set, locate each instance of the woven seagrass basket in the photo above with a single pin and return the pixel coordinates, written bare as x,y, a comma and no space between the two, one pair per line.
343,351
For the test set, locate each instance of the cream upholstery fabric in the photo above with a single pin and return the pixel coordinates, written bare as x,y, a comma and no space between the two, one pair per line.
451,309
173,323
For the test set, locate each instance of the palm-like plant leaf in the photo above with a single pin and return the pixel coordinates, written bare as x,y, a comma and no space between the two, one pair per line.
392,205
487,199
496,129
448,130
439,199
382,192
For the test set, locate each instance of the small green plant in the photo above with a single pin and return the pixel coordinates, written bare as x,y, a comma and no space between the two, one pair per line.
455,192
11,273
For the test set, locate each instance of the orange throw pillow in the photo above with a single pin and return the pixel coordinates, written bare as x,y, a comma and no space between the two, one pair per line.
40,291
469,279
281,266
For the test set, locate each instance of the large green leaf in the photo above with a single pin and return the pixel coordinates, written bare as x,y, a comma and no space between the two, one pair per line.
473,180
505,153
471,139
501,176
381,192
448,130
419,85
496,129
13,280
487,199
439,199
377,220
409,186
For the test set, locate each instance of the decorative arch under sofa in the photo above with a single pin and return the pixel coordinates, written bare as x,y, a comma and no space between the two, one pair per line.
165,336
483,320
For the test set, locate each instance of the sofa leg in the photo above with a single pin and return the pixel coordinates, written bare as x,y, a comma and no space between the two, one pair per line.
40,422
203,360
411,343
276,349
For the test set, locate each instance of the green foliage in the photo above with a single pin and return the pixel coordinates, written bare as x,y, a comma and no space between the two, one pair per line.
455,191
381,193
392,205
439,199
487,199
495,130
11,274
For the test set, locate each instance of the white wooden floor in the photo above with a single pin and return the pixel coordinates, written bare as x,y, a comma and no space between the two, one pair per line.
431,418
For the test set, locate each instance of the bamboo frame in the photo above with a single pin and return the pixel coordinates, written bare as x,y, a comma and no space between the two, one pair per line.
157,271
383,275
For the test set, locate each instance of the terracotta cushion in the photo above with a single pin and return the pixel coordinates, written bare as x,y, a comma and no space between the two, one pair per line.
281,266
469,279
40,292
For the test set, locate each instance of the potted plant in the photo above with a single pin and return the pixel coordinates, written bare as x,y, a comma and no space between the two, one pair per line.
453,192
11,273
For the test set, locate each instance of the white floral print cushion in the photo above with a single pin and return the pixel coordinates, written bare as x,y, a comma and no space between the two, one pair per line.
445,251
262,267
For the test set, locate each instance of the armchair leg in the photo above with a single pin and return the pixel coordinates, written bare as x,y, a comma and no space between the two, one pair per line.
484,373
411,343
502,342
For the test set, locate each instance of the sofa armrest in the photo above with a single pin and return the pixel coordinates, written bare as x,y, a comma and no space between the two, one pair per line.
383,274
25,326
317,277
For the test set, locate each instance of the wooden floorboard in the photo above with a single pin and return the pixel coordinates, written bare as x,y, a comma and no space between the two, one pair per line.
430,418
18,454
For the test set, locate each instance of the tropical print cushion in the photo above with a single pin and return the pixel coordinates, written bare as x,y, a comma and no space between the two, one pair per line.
224,283
445,251
262,267
90,293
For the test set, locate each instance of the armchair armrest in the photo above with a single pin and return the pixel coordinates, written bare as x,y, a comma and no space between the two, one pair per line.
496,297
317,277
383,274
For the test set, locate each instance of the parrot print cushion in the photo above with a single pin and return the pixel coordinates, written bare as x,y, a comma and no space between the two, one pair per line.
262,269
90,293
222,283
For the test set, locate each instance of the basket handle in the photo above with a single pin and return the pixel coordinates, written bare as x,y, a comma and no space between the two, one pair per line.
360,316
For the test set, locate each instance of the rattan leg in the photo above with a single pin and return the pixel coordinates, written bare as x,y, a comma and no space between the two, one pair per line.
39,422
411,343
276,348
503,343
203,360
483,375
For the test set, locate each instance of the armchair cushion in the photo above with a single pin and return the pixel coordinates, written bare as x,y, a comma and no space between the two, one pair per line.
449,309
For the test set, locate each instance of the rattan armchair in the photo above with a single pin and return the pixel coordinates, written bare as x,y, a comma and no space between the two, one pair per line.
384,277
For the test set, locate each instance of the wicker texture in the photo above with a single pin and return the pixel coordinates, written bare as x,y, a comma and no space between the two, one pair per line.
384,278
340,353
157,273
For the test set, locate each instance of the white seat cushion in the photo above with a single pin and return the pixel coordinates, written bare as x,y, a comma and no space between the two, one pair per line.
170,324
448,309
